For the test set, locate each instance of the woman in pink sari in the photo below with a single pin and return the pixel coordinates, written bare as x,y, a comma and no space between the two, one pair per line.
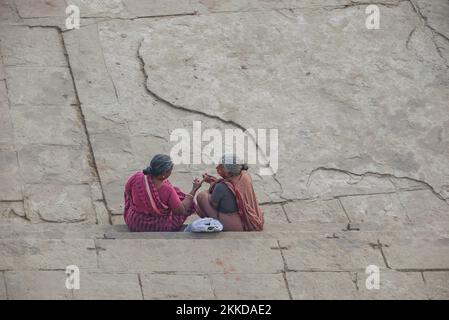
152,203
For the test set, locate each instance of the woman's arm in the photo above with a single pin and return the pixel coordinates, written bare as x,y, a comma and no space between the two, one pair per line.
188,200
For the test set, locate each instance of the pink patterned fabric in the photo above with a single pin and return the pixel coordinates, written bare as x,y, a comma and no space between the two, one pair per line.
150,209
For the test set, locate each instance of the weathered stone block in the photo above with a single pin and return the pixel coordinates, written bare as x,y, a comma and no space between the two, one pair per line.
273,213
393,285
96,191
321,126
333,183
108,286
315,211
7,13
436,13
33,254
62,164
55,86
249,286
12,211
424,207
416,253
228,256
6,127
37,285
10,186
323,254
48,125
2,287
32,47
101,213
112,118
114,194
59,203
93,82
50,285
99,8
158,7
322,285
177,286
118,219
437,285
41,8
114,157
379,208
52,231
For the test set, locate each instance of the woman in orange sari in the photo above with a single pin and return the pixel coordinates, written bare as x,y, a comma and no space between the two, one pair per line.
231,199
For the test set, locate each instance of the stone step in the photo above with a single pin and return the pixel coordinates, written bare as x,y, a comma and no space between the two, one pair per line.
257,268
283,264
271,230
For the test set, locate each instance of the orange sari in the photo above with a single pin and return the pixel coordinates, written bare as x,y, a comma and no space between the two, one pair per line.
249,209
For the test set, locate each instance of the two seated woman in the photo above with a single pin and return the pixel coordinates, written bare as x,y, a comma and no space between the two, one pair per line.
152,203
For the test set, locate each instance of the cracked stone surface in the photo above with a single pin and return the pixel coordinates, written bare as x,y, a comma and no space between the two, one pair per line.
244,286
173,256
408,285
330,254
46,254
27,285
322,285
356,114
363,120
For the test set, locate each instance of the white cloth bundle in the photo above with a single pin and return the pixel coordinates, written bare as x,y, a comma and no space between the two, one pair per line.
204,225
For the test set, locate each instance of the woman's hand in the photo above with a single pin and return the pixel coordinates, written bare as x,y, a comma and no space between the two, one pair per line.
197,184
208,178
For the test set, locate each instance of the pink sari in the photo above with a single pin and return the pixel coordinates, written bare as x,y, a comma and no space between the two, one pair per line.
149,209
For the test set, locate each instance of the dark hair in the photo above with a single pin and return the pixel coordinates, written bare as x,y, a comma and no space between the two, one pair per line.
160,164
245,167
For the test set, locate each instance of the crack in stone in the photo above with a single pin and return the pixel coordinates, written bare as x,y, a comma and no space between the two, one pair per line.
360,4
285,212
106,67
166,102
279,194
39,214
284,272
377,175
380,246
205,114
97,249
405,210
11,211
140,285
424,21
354,278
12,5
211,283
5,284
92,159
407,42
350,227
422,276
420,16
421,270
345,212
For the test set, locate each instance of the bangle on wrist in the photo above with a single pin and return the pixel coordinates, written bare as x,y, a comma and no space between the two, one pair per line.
188,194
